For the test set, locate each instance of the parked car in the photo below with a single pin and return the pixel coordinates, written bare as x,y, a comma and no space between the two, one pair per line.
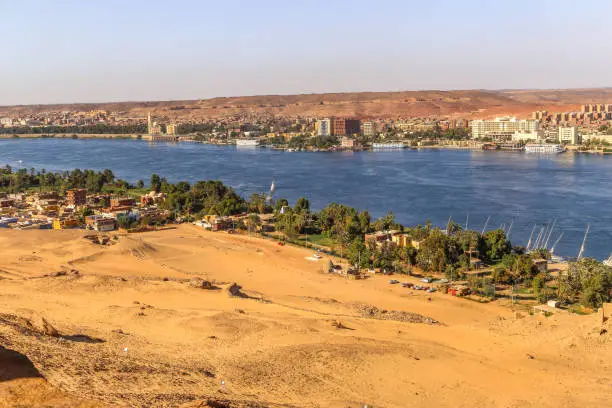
427,279
393,281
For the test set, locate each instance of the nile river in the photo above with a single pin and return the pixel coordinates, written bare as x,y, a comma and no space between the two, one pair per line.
415,184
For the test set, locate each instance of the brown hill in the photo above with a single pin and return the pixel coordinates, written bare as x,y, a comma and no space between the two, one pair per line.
454,104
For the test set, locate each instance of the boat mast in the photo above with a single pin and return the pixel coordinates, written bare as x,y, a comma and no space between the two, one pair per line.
536,244
552,249
584,241
530,238
485,225
509,229
550,233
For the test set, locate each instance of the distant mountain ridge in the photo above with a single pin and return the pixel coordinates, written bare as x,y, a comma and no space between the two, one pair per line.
401,104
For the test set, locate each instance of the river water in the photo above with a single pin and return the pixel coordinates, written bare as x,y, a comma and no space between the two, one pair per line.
416,185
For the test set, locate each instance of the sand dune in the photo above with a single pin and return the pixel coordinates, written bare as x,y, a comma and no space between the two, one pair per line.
135,333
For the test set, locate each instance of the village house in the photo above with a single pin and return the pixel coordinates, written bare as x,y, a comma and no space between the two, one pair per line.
348,142
401,240
121,202
101,223
216,222
541,265
152,198
76,197
66,223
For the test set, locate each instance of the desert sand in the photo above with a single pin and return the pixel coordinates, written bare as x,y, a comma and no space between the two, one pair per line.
133,330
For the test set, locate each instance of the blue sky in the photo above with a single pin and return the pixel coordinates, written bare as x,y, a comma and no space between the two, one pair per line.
113,50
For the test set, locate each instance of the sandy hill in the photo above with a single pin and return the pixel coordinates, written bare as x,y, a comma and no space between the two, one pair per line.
134,328
454,104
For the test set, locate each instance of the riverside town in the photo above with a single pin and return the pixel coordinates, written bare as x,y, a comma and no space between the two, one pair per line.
586,130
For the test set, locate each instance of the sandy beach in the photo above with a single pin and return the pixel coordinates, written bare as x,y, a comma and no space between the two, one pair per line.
134,331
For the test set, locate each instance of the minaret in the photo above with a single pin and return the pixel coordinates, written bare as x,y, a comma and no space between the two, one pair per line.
149,127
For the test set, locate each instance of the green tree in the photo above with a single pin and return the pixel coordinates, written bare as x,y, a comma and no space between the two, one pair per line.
358,254
497,245
538,284
279,204
364,222
588,281
302,205
155,183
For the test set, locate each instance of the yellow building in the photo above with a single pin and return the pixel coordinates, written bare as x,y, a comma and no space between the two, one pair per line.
401,240
65,224
171,129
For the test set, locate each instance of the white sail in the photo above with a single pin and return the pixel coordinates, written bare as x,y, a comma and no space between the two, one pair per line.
530,238
485,225
584,241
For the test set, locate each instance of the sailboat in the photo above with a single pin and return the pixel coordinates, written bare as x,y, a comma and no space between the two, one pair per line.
608,262
271,193
583,242
553,257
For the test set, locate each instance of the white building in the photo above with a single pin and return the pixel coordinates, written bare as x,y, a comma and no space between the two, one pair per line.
369,128
528,136
323,127
480,128
569,135
597,137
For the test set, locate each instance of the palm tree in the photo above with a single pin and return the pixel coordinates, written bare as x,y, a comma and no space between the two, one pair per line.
253,221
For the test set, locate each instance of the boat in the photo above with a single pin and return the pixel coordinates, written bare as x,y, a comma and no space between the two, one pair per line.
247,142
388,146
489,146
544,148
608,262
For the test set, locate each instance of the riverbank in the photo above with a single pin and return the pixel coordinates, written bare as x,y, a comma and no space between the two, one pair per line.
189,139
73,136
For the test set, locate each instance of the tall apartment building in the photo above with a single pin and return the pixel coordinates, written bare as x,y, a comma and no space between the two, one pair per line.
540,115
569,135
480,128
323,127
369,128
344,127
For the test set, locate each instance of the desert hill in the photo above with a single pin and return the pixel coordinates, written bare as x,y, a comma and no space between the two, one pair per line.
130,323
453,104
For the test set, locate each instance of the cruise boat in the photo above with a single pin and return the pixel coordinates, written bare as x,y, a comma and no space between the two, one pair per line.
398,145
247,142
544,148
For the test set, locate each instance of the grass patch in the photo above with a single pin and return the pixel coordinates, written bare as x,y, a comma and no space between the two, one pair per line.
319,239
577,309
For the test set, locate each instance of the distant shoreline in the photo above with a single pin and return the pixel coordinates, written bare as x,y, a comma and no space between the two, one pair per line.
148,138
